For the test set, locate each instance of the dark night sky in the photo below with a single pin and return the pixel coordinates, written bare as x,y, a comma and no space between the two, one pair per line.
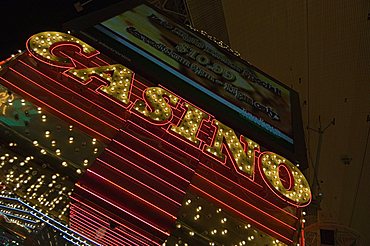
22,19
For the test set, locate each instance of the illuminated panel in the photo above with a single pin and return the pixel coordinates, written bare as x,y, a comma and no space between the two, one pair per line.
41,155
35,227
198,64
202,222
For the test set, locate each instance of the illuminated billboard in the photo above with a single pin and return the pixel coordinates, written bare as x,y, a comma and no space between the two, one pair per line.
200,63
201,70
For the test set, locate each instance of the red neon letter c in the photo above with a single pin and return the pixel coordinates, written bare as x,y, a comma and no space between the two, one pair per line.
41,46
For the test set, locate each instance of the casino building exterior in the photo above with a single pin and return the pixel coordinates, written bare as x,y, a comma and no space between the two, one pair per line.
134,130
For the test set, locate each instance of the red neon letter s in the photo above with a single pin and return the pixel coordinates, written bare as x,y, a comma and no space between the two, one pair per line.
160,110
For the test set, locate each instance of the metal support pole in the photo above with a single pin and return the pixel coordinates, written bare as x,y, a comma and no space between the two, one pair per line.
315,182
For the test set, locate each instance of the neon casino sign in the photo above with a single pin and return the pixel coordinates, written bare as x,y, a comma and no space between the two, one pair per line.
284,179
164,154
